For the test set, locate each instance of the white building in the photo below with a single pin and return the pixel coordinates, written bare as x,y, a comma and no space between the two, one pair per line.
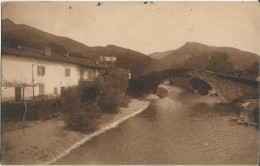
28,73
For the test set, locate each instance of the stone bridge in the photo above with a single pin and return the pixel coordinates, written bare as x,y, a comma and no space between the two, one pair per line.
229,88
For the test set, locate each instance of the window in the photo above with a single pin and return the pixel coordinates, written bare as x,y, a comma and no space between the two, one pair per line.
95,73
81,76
90,74
41,89
55,90
41,71
62,89
67,72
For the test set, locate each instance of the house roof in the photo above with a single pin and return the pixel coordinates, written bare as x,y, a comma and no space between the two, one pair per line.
37,53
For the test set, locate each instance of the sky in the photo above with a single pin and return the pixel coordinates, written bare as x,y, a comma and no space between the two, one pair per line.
147,28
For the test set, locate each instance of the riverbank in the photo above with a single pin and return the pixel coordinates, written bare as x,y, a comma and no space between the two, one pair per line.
44,142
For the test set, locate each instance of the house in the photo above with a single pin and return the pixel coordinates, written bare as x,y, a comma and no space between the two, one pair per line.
107,59
258,78
28,73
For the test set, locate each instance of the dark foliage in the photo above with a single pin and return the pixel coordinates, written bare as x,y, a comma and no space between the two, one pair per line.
83,120
214,61
117,79
108,100
253,71
256,115
12,112
123,101
70,100
84,103
41,109
89,91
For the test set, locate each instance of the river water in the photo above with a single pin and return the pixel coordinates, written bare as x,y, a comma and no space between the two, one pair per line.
183,128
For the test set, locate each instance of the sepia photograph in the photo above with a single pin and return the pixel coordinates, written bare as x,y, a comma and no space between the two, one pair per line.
130,83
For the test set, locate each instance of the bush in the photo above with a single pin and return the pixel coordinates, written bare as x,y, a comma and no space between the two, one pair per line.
108,100
83,120
80,111
161,92
12,112
70,100
90,90
255,115
123,101
82,105
117,79
42,109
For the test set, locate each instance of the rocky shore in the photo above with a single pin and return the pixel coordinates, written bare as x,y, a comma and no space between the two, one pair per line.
44,142
249,115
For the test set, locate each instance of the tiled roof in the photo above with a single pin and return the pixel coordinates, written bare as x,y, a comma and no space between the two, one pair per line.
36,53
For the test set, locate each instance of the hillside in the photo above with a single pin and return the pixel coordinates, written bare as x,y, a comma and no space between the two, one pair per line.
14,35
241,59
160,55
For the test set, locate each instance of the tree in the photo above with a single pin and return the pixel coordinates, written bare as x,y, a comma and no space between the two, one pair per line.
220,62
253,71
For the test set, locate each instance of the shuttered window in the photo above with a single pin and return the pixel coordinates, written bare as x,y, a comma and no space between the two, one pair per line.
81,75
55,90
41,71
67,72
90,74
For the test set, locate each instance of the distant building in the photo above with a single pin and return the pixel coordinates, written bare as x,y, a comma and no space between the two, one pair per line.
107,59
258,78
28,73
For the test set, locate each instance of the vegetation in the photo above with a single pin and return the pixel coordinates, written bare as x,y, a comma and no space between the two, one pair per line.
215,61
198,55
83,119
39,109
253,71
83,104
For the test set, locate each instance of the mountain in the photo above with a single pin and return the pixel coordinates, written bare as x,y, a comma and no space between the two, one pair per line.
14,35
160,55
192,50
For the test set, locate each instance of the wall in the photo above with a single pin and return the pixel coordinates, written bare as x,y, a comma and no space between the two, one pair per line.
23,70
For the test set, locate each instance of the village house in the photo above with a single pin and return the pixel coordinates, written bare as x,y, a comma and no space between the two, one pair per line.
29,73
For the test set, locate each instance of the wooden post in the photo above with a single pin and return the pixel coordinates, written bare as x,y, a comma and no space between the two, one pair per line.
25,106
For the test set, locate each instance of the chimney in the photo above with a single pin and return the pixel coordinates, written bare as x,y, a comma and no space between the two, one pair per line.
47,51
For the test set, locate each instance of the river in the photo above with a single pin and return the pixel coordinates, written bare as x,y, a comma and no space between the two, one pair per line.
183,128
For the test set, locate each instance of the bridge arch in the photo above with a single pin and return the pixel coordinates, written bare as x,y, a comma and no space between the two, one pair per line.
192,83
228,88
